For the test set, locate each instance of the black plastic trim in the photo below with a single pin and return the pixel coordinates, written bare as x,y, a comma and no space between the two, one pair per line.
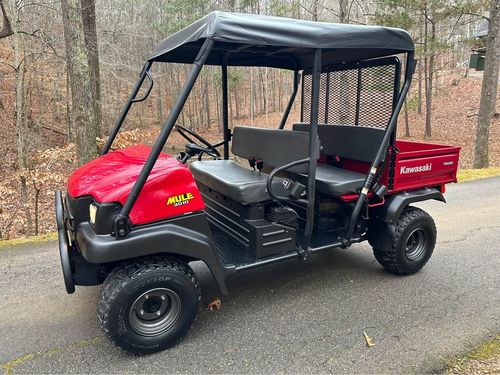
395,204
188,236
64,245
104,218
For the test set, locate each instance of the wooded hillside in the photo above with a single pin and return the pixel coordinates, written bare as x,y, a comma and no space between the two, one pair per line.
58,54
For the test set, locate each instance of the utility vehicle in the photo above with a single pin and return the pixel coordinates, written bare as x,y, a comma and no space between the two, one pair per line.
133,219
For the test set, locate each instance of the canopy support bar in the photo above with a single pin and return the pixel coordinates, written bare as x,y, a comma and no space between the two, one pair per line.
131,99
296,81
225,114
121,221
313,157
381,153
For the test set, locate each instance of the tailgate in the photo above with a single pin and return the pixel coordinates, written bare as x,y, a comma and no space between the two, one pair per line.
420,164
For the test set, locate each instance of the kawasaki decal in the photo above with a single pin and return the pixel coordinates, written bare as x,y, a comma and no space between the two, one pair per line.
421,168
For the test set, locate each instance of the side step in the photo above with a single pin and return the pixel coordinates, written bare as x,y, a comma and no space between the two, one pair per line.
234,256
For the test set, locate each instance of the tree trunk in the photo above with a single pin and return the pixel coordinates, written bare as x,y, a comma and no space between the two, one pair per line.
407,122
90,34
428,70
237,105
159,105
489,88
37,208
252,97
20,64
69,122
79,73
263,93
207,104
343,11
419,98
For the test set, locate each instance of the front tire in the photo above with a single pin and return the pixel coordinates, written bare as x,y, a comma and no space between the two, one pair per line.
149,304
412,243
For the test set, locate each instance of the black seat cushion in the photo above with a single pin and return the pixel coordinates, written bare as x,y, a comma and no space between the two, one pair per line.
276,147
336,181
352,142
241,184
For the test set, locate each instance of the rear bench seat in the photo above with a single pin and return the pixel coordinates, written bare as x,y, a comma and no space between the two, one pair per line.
351,142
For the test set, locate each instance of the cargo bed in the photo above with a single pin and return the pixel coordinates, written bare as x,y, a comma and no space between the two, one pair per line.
415,165
418,164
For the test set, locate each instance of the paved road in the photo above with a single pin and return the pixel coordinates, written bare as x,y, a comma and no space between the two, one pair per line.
291,317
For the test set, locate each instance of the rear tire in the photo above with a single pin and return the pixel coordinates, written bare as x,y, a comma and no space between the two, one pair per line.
412,243
148,304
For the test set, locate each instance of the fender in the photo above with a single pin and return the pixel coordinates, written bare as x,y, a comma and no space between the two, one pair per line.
395,204
382,225
171,237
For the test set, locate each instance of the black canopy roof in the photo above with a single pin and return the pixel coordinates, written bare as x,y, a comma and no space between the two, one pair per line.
279,42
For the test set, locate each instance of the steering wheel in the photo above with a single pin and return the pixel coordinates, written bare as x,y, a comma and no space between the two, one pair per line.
193,147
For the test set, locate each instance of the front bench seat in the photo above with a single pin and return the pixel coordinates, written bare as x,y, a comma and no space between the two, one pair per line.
275,147
245,186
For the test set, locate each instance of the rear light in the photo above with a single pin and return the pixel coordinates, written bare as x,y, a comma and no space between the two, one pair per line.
443,188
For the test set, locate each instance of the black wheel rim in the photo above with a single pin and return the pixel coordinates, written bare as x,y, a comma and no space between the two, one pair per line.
155,312
416,245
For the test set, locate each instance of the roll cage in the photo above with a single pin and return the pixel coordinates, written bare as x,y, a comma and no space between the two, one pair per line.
311,48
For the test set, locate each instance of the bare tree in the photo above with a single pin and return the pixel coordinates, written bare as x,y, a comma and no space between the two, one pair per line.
90,33
489,88
19,68
79,73
7,28
429,59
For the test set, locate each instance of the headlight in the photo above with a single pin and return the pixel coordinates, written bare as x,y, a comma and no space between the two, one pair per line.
92,212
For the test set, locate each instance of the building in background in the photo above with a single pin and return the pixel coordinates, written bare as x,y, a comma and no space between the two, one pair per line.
479,50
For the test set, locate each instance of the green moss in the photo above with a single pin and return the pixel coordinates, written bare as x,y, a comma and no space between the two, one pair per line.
6,244
476,174
8,367
487,354
488,350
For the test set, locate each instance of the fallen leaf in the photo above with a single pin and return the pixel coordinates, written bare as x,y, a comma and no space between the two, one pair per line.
214,305
368,339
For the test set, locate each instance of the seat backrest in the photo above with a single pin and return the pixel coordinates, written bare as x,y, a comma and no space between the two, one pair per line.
347,141
275,147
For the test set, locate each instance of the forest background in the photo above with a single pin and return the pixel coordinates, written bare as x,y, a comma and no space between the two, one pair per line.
67,67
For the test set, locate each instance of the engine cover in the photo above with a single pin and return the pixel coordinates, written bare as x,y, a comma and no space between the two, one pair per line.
170,189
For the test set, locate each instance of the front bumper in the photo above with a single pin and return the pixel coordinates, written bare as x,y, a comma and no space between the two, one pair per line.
64,244
87,257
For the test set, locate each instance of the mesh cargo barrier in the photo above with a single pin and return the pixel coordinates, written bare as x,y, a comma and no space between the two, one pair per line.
361,94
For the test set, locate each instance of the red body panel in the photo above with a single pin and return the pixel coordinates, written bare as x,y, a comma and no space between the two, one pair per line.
169,191
423,164
417,165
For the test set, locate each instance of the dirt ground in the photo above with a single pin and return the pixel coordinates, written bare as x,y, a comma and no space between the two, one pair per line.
454,119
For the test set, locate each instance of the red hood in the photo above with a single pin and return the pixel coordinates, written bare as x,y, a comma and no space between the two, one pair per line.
110,178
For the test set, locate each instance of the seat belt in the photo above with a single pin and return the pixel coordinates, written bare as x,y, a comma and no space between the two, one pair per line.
259,163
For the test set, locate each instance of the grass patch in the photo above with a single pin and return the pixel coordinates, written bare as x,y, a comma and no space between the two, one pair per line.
24,240
483,359
476,174
9,367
